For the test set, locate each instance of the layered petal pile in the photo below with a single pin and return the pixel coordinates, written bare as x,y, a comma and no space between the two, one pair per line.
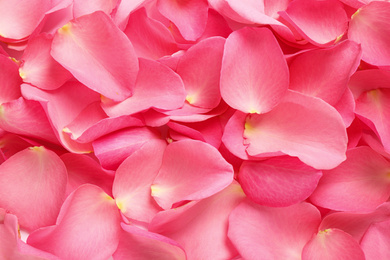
195,129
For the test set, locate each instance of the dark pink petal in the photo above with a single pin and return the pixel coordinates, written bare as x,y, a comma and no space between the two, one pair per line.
87,227
376,241
320,22
83,169
332,244
260,232
134,178
39,68
9,80
83,7
26,117
201,227
190,16
346,107
200,70
356,224
361,183
164,90
324,73
140,244
278,182
20,18
150,38
113,148
98,54
370,27
254,75
191,170
32,186
301,126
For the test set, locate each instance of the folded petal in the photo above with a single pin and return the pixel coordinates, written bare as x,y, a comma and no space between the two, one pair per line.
260,232
140,244
200,70
189,16
87,227
9,80
301,126
254,75
191,170
279,181
360,183
134,178
376,241
201,227
320,22
370,27
98,54
332,244
32,186
164,90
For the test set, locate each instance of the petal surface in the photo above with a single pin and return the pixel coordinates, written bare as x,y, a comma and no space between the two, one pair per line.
254,74
9,79
376,241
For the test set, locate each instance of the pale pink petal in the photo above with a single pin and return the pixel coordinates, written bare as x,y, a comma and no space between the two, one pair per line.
370,27
134,178
93,123
260,232
190,16
164,90
301,126
113,148
83,169
191,170
376,241
32,186
124,9
83,7
9,80
200,70
320,22
254,75
150,38
278,182
98,54
26,117
39,68
62,106
140,244
365,80
60,13
361,183
87,227
201,227
324,73
332,244
21,17
356,224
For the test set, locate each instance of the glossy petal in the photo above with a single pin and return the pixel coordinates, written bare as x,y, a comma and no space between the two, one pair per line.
278,182
332,244
87,227
133,179
191,170
370,27
201,227
376,241
164,90
301,126
254,75
260,232
200,70
32,186
361,183
190,16
39,68
320,22
98,54
9,80
140,244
